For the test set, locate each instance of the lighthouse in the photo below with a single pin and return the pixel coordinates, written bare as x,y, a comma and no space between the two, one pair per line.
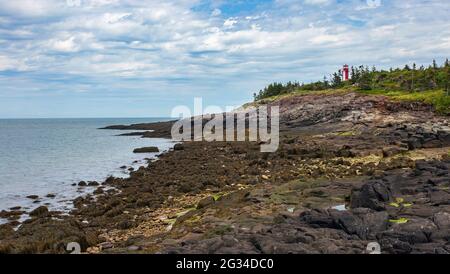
346,73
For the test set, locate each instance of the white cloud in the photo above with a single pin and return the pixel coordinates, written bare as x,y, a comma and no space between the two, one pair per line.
230,22
31,8
73,42
216,12
165,40
7,63
317,2
67,45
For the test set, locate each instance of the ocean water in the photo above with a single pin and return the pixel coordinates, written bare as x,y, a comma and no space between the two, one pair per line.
43,156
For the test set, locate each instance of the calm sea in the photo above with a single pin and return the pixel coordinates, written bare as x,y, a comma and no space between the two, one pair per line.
43,156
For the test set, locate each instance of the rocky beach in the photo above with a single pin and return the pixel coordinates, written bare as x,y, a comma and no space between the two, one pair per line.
351,169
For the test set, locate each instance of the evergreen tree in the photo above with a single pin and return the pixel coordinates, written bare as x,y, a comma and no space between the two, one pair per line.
336,80
326,84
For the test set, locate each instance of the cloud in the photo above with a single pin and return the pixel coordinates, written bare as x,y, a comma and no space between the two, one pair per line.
207,48
33,9
216,12
317,2
6,63
230,22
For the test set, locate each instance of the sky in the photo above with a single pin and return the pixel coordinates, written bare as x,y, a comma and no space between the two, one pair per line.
141,58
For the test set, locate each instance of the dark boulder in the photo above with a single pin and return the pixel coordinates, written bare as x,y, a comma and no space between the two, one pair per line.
13,214
415,231
205,202
442,220
146,150
432,144
98,191
373,222
391,151
439,197
318,219
93,184
414,143
41,211
348,222
178,147
373,195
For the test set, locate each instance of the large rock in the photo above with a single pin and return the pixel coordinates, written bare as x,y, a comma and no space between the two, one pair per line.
439,197
363,222
318,219
415,231
41,211
146,150
373,195
348,222
391,151
442,220
374,222
178,147
205,202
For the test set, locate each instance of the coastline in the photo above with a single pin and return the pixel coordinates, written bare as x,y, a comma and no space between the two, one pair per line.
227,197
57,187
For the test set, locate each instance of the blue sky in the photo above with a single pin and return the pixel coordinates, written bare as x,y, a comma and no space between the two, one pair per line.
141,58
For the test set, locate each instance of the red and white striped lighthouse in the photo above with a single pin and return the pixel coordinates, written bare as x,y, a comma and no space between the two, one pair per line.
346,72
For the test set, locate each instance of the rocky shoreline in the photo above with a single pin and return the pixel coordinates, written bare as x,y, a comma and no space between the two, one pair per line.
351,169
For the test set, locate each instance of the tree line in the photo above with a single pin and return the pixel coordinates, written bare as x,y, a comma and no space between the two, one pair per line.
409,78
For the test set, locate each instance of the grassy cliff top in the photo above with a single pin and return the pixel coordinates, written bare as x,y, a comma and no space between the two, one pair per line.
437,98
429,85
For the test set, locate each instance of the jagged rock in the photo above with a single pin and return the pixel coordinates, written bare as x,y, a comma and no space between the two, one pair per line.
205,202
41,211
442,220
348,222
318,219
391,151
146,150
99,191
415,231
374,222
414,143
13,214
439,197
178,147
372,195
